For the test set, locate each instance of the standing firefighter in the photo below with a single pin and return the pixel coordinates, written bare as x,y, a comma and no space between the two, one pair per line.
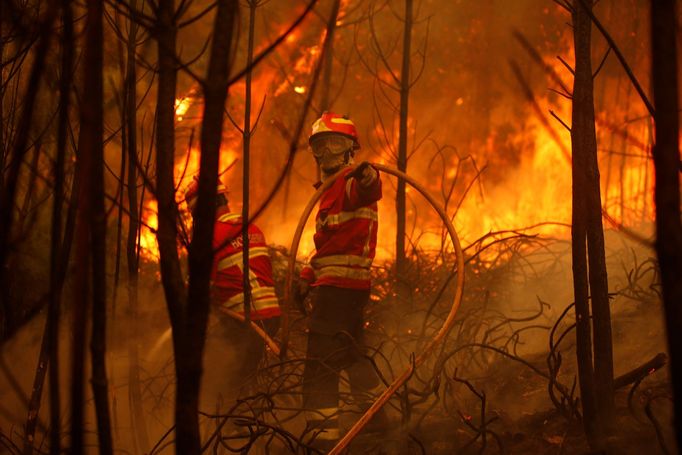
227,291
345,241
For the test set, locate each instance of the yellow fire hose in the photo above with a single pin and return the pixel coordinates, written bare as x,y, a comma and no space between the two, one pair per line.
266,338
447,325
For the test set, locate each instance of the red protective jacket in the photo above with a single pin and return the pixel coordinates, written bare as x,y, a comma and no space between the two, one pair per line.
227,277
345,235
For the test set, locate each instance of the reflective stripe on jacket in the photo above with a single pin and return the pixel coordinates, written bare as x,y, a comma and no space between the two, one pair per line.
345,235
227,276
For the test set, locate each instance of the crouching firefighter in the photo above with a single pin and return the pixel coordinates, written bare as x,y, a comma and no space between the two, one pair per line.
345,241
245,346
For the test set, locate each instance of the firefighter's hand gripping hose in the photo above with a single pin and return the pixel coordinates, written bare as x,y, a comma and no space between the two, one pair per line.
435,341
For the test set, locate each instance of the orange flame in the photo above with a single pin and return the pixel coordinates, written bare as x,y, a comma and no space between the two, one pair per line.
149,248
534,190
181,107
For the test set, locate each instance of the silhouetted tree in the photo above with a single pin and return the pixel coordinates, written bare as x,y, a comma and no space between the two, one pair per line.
200,257
246,155
589,263
59,250
91,240
401,82
13,155
402,140
186,424
188,308
139,426
667,192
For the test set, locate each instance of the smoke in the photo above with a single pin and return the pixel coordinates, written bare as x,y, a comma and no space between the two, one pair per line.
471,130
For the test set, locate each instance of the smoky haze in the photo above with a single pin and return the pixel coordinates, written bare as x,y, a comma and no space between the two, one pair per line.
487,136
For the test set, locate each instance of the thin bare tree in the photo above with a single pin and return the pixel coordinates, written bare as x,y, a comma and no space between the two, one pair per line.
186,424
48,358
137,416
200,258
590,283
246,156
400,81
400,203
327,73
667,192
58,249
19,147
188,308
91,241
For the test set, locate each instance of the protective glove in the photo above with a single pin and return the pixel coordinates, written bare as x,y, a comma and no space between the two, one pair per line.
365,174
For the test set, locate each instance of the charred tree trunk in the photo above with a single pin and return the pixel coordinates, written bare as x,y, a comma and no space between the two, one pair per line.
59,254
598,277
88,143
171,275
19,149
579,234
589,272
36,393
2,122
327,72
48,360
4,304
186,419
81,290
134,389
92,231
74,228
400,202
328,67
57,248
120,194
581,296
667,192
201,248
246,138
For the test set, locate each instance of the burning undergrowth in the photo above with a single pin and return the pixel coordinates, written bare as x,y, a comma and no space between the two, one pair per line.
504,379
510,356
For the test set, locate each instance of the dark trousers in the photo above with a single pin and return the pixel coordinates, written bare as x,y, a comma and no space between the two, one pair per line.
239,352
335,344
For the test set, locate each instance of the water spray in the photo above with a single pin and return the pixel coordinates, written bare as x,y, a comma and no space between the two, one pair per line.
166,336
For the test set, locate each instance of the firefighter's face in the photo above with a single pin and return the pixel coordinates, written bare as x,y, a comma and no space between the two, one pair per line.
332,151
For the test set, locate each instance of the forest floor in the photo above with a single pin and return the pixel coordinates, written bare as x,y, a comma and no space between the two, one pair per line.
522,420
536,431
520,416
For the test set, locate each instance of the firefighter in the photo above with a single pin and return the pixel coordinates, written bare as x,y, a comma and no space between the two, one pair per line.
245,347
339,271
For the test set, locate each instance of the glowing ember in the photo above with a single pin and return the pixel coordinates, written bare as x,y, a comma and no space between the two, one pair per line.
299,89
181,107
149,248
